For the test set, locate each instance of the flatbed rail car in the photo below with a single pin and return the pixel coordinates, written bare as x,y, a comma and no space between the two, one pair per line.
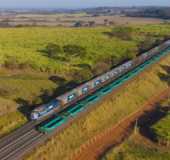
88,88
72,111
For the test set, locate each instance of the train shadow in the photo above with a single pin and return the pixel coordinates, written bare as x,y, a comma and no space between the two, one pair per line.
25,107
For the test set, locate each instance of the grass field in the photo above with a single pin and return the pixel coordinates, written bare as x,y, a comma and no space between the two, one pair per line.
25,45
31,84
133,96
137,148
19,91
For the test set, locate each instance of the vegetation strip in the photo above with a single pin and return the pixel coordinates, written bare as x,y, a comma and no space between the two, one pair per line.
94,147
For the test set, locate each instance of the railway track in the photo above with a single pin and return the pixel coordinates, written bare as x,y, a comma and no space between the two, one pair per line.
17,133
17,145
24,139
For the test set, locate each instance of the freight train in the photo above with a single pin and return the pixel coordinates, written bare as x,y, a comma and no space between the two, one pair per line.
80,92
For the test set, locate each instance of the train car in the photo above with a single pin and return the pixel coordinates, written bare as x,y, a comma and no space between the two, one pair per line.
91,86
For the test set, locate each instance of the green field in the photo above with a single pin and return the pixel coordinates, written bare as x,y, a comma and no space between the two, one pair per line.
25,46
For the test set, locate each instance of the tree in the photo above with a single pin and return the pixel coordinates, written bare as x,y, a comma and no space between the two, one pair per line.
53,50
106,22
78,24
91,23
81,75
145,45
100,67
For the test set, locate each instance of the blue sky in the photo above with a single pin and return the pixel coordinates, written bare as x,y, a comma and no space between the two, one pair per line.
78,3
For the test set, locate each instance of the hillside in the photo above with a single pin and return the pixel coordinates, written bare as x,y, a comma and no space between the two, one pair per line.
141,146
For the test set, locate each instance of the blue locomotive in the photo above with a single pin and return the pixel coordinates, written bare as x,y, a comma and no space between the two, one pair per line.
91,86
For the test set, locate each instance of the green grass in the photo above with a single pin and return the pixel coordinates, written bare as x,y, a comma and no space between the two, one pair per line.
18,91
136,149
162,128
26,44
12,120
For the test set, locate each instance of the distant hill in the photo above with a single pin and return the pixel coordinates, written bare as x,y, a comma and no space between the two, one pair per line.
154,12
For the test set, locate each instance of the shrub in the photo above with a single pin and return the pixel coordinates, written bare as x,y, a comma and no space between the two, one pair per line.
81,75
74,50
100,67
146,44
78,24
11,62
53,50
124,33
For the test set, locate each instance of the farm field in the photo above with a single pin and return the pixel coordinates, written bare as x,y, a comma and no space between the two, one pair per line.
69,20
133,96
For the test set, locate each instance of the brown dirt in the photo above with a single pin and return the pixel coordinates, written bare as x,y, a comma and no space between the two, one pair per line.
69,20
113,136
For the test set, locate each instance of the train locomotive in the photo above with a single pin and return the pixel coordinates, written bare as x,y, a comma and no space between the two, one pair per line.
78,93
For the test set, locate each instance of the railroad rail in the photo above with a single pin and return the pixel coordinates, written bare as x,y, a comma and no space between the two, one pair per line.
24,139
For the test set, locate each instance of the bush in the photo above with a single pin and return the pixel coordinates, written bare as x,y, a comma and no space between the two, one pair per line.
75,50
53,50
78,24
146,44
124,33
100,67
11,62
81,75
